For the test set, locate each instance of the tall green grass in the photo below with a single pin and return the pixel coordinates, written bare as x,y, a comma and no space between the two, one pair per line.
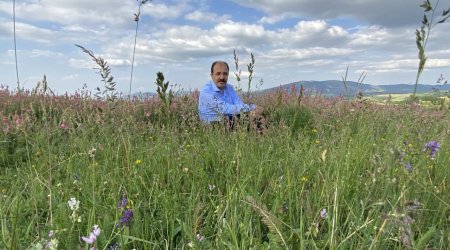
328,174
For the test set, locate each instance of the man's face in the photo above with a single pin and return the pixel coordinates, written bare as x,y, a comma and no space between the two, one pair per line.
220,75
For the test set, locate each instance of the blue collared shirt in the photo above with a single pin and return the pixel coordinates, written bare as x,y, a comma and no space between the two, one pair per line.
214,104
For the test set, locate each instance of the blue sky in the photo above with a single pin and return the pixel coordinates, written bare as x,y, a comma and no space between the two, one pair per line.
292,40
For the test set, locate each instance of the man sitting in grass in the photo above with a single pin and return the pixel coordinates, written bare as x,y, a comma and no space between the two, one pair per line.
218,101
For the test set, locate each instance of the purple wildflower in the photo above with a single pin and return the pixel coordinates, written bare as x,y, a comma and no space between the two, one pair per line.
408,167
92,236
113,246
123,202
433,146
126,218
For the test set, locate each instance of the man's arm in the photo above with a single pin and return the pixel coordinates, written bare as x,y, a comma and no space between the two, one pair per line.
213,102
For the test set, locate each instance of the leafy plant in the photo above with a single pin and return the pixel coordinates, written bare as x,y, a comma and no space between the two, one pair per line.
165,95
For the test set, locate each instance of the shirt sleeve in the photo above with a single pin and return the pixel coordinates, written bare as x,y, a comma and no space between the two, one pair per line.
213,102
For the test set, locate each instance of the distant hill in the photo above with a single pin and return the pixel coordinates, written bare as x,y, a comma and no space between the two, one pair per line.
337,88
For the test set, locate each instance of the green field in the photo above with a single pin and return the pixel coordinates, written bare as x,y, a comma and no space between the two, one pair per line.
327,173
427,99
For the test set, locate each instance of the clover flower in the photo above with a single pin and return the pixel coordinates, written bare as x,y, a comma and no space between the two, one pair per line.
74,206
92,236
433,147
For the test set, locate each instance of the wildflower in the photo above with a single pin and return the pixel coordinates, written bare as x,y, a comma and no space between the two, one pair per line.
433,146
211,187
73,204
323,213
123,203
199,237
126,218
63,126
113,246
48,244
137,162
92,236
304,179
408,167
127,214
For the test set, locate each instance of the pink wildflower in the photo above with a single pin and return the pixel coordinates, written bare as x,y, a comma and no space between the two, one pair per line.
92,236
63,126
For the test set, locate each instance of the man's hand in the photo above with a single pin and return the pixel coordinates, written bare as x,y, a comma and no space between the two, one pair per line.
258,119
257,112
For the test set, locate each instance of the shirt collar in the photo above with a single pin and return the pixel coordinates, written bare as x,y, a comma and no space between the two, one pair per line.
216,89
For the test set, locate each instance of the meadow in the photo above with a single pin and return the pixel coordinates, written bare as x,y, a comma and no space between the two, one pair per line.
327,173
96,171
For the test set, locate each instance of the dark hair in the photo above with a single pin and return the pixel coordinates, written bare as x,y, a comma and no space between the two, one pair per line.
214,63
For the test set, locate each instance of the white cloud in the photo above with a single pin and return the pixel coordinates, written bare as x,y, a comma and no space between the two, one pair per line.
275,18
43,53
438,63
203,16
166,11
378,12
28,32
